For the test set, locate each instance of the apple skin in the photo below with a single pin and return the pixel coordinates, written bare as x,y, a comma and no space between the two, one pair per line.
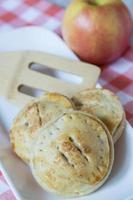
98,31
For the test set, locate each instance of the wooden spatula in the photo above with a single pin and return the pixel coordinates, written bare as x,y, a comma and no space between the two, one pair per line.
15,72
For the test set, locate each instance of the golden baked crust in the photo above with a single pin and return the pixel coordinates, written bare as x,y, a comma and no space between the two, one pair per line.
34,115
105,105
72,156
120,129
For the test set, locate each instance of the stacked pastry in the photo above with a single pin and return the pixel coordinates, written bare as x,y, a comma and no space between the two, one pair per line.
69,143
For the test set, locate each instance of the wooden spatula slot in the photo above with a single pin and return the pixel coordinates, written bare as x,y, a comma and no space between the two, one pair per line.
30,91
59,74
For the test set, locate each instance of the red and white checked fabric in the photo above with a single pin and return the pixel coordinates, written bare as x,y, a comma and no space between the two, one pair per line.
117,76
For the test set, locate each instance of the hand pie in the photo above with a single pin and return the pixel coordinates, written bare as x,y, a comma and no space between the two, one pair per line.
73,155
35,115
105,105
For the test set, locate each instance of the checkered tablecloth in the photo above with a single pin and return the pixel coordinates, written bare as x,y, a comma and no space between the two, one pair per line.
117,76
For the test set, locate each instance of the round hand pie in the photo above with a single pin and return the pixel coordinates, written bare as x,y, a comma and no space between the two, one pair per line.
73,155
106,106
35,115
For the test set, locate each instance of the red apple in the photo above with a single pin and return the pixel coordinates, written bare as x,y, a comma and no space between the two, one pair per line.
98,31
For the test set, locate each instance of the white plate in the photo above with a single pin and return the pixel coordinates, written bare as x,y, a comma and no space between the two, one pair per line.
119,186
